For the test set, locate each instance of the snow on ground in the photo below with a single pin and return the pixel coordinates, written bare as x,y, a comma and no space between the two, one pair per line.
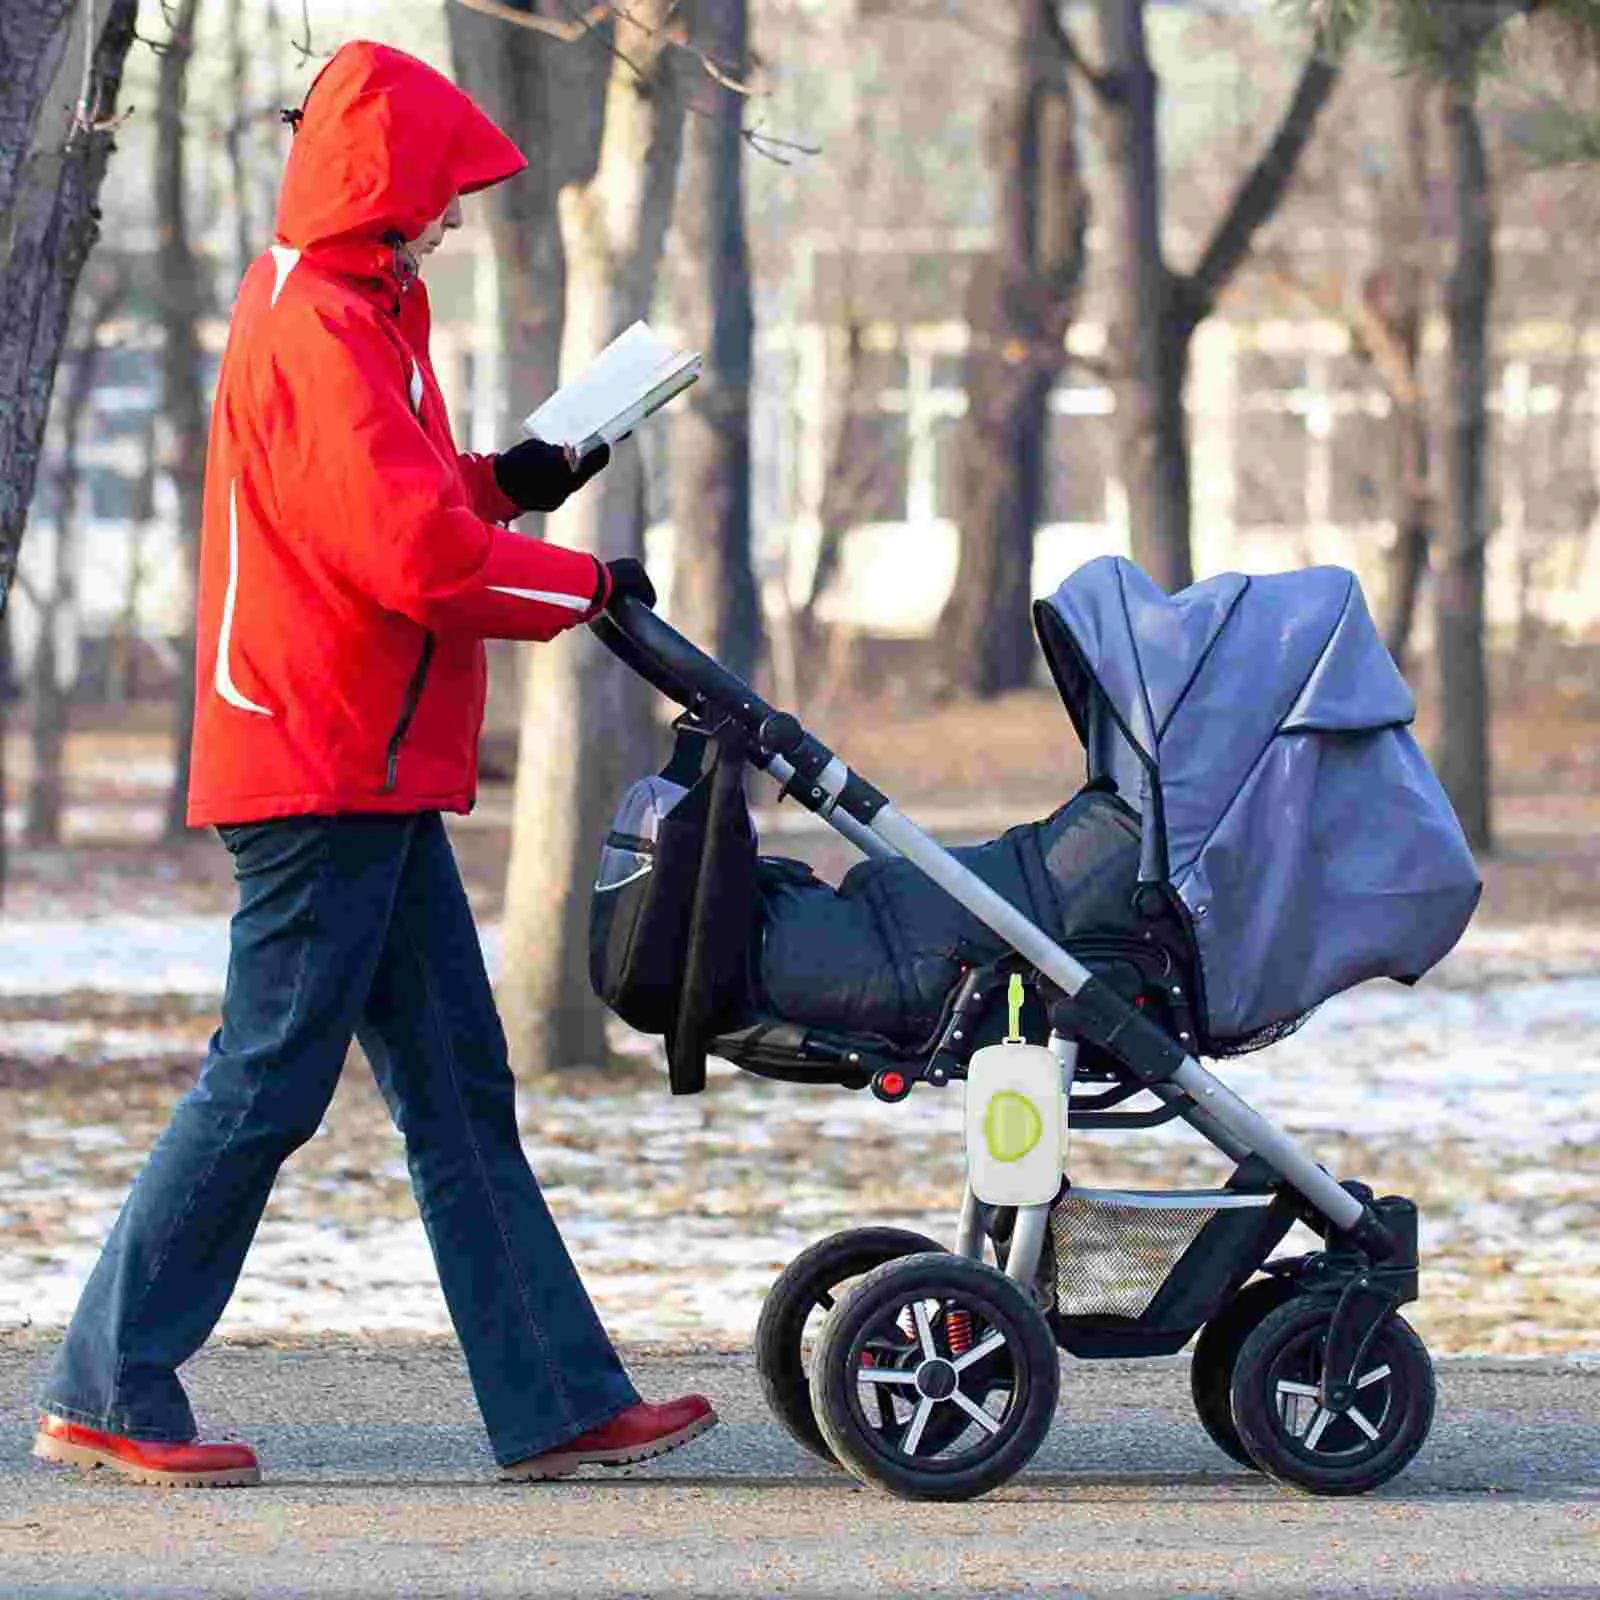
187,954
113,955
1472,1092
86,823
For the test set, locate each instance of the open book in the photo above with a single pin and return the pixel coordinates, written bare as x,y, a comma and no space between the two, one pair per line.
635,375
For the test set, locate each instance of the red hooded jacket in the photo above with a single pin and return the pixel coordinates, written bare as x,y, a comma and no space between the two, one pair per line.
353,560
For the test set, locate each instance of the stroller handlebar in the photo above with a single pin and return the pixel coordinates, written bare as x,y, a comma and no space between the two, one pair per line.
684,673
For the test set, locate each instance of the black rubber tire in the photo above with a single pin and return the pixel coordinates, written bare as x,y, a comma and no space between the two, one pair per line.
1216,1351
810,1281
1287,1346
1028,1360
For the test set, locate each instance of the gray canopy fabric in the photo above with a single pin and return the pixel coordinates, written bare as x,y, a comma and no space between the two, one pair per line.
1259,726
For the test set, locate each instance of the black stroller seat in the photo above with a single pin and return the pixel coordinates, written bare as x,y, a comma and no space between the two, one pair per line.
881,953
792,978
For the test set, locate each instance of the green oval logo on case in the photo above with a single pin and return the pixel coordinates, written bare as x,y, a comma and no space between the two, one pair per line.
1012,1125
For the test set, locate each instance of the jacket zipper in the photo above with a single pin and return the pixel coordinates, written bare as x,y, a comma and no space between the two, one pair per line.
408,710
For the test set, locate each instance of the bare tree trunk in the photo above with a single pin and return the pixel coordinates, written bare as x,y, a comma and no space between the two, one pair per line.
849,469
43,808
236,136
182,298
50,176
1408,561
713,584
1463,750
5,722
1390,328
1155,312
122,680
539,90
586,724
845,473
269,59
51,692
1018,308
1150,357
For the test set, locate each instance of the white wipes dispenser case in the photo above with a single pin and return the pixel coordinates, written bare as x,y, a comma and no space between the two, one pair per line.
1014,1118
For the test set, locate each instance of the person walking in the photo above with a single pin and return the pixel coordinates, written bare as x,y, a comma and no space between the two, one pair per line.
352,563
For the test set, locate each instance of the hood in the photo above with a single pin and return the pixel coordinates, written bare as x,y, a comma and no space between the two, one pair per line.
383,144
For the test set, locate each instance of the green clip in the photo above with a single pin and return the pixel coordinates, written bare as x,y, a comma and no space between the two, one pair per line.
1014,997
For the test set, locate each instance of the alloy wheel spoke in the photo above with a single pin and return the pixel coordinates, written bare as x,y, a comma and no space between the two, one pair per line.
919,1311
885,1375
976,1412
992,1341
1309,1390
1377,1375
1319,1426
913,1434
1360,1420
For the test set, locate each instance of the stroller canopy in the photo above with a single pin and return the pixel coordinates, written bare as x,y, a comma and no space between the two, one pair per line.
1260,727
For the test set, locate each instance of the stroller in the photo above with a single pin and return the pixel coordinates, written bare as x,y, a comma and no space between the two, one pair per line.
1259,831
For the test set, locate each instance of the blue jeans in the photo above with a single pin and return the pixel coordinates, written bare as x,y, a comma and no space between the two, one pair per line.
346,926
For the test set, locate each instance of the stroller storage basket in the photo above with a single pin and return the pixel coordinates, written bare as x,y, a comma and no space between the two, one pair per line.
1115,1248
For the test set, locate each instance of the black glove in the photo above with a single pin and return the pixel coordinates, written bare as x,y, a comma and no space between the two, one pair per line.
628,577
536,475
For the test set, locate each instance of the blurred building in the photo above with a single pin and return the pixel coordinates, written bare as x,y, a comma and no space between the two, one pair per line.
1293,458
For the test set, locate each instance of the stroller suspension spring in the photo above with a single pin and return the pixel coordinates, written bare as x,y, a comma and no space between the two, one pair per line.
958,1331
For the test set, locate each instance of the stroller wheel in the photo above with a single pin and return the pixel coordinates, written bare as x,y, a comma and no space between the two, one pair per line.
792,1314
1295,1439
936,1379
1216,1351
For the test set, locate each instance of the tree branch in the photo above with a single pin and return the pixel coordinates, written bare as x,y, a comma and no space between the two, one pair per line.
573,29
303,47
1095,366
1263,189
1061,36
1374,332
582,23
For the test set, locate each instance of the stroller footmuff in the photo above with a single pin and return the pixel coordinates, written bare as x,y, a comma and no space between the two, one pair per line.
881,953
784,954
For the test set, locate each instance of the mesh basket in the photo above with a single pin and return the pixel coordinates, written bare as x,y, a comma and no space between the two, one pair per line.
1114,1249
1243,1044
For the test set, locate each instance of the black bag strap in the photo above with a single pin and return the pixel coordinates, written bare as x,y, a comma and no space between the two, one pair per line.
688,753
728,832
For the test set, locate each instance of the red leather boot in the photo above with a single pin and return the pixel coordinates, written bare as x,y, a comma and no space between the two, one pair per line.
177,1466
638,1433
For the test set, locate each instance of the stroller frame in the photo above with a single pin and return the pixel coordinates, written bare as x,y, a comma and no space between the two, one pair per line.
1370,1264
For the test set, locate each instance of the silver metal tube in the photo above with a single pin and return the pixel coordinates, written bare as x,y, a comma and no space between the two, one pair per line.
1240,1124
1065,1050
1202,1122
1245,1123
969,1231
842,823
908,840
1027,1245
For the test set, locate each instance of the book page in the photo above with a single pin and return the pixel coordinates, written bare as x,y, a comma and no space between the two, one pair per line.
634,375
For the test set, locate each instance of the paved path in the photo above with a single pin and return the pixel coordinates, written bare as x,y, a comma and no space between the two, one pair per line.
379,1485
